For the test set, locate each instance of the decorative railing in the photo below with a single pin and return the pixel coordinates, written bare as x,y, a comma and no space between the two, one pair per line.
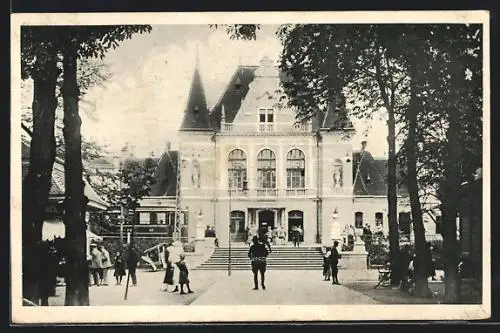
295,192
267,192
236,192
227,127
266,127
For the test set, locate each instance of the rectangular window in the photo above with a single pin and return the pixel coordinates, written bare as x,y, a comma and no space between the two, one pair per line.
161,218
266,120
270,115
236,178
295,178
262,115
267,178
144,218
358,220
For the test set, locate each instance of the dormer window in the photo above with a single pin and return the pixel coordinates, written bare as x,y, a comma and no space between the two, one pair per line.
266,119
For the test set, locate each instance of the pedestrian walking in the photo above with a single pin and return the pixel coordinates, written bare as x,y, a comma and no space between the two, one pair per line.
106,264
119,268
132,261
95,264
183,275
266,237
168,280
258,254
334,261
300,232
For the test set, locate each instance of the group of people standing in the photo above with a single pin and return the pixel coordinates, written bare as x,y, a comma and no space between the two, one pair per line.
275,236
100,264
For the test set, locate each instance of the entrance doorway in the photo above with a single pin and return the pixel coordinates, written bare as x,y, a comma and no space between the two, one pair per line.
295,220
266,220
237,226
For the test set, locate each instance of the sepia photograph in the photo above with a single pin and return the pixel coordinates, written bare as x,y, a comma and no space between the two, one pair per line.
234,167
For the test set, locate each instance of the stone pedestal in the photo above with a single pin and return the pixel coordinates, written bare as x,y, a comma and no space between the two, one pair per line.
353,261
359,247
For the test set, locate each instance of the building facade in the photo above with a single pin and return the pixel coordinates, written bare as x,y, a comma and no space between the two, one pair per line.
248,164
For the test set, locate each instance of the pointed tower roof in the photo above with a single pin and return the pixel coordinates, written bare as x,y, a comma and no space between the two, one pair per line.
196,114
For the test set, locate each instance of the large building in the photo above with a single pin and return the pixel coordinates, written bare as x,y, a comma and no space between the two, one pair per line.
248,163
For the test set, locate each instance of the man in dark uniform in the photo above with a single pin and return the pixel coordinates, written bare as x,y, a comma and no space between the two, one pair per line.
334,261
258,253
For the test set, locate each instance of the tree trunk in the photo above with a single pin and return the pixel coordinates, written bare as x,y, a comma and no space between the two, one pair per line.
450,195
392,199
77,274
421,282
449,208
37,183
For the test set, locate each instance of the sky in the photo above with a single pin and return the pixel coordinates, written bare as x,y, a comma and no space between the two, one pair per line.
144,100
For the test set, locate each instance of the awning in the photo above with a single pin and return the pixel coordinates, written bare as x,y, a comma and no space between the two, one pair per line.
53,229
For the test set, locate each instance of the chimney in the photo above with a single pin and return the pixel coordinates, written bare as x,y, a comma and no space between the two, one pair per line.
363,145
167,145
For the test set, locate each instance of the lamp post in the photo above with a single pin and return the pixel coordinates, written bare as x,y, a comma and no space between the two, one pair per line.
229,236
122,217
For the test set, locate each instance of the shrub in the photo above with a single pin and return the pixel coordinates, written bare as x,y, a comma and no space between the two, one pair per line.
189,247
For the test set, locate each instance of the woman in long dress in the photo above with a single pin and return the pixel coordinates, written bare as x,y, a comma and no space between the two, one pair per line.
168,280
119,268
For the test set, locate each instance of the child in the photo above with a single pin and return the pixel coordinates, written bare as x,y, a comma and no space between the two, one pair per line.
183,274
119,268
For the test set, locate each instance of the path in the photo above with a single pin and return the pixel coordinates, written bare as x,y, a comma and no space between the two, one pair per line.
282,288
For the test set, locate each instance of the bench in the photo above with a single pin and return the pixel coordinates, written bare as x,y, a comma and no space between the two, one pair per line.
384,277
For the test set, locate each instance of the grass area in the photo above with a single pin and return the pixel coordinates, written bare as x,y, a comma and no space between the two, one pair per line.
389,295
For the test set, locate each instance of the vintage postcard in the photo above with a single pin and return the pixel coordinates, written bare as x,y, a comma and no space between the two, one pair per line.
250,166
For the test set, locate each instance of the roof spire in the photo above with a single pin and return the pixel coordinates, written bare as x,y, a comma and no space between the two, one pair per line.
196,115
223,114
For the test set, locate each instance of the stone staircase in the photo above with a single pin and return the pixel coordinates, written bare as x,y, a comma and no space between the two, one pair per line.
281,257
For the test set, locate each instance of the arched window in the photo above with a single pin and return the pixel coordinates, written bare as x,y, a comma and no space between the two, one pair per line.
295,169
237,170
358,220
337,173
266,169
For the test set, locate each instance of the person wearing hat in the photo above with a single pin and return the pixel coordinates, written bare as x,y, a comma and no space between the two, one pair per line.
257,254
95,264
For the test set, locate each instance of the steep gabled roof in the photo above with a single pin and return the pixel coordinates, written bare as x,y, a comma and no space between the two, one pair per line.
165,175
336,119
233,95
196,114
370,176
237,89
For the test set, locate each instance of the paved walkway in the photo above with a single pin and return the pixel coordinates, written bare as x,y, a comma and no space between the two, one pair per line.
147,292
282,288
217,288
